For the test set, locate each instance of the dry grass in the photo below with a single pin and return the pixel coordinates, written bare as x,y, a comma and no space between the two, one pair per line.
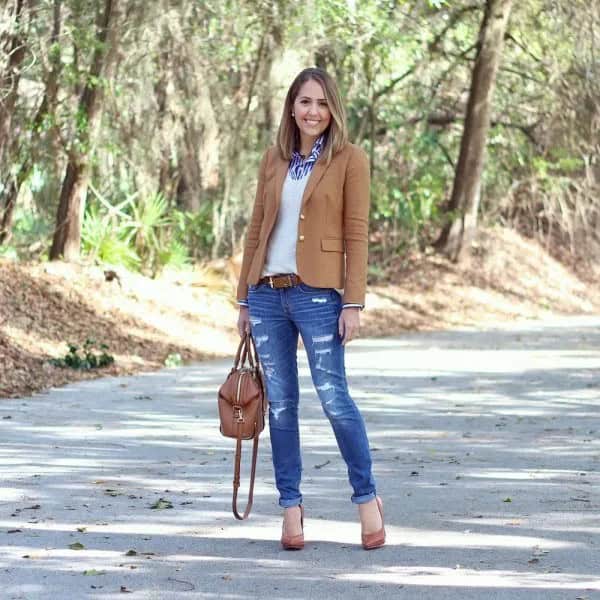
508,277
45,306
143,321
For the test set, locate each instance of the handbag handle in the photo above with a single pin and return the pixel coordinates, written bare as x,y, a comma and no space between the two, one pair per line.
241,347
246,351
252,353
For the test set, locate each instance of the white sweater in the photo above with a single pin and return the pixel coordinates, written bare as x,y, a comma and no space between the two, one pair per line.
281,251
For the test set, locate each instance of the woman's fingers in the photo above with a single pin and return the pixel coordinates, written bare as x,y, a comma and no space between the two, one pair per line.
243,323
349,325
351,333
341,329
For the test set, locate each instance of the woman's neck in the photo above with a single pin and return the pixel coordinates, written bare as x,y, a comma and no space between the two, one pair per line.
306,145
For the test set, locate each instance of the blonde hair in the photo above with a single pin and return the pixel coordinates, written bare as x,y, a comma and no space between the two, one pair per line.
288,136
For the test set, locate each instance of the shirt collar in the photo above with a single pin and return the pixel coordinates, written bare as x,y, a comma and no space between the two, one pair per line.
314,153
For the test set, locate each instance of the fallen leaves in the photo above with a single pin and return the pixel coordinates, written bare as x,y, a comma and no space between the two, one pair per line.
42,310
537,554
189,585
322,464
76,546
162,504
94,572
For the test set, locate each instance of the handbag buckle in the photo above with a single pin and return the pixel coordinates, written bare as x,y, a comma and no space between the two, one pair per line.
237,414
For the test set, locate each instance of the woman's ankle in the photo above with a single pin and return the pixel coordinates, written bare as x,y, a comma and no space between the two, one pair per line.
370,517
292,520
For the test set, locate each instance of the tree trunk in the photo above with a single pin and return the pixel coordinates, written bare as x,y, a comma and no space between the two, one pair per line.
9,79
10,199
67,234
456,236
10,135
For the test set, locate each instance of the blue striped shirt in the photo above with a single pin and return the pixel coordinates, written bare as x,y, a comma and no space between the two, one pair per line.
300,167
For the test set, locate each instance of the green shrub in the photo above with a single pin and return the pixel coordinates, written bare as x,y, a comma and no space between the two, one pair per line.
93,356
104,240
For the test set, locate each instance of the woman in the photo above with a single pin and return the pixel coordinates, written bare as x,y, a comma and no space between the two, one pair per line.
306,240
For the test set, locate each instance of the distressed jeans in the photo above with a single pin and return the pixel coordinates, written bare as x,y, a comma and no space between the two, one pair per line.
277,316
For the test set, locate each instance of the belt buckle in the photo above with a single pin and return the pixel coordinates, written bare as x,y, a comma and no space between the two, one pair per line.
270,278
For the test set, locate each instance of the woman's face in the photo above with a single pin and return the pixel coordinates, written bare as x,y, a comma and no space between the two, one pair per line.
311,112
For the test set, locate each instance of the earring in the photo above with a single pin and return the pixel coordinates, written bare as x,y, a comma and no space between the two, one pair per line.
293,115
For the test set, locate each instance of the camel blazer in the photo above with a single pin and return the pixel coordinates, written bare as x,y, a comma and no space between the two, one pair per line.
331,248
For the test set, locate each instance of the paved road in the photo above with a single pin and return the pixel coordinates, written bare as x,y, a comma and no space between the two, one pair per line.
487,449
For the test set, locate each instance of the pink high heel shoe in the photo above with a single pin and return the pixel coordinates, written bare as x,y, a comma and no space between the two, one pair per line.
294,542
370,541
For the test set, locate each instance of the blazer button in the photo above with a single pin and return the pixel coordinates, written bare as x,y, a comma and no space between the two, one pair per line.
302,217
301,238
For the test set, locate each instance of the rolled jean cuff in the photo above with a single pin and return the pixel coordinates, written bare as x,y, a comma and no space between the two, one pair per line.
364,498
289,503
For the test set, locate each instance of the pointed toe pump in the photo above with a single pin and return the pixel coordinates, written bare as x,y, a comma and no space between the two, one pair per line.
294,542
370,541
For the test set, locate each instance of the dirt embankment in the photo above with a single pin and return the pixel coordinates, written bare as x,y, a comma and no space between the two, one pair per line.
43,307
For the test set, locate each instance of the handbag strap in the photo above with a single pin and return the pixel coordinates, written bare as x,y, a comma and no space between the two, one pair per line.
236,478
246,350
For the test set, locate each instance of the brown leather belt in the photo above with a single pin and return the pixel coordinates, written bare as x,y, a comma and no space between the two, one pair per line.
281,281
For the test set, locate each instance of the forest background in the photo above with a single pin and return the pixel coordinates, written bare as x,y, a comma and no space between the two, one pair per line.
131,131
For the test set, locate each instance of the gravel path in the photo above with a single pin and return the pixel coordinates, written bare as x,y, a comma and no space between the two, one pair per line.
487,454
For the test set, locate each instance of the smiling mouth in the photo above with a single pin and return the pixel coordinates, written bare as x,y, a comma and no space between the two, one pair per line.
311,122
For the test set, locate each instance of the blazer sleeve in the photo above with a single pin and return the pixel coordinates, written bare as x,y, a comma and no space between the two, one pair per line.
253,230
357,185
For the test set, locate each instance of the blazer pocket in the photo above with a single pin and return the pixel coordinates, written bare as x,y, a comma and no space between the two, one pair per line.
332,245
252,244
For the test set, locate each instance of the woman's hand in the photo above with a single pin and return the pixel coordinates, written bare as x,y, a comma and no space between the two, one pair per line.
349,324
243,323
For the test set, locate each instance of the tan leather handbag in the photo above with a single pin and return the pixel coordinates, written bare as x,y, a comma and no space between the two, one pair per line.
242,406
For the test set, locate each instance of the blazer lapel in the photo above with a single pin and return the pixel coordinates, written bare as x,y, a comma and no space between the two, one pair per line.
315,176
281,169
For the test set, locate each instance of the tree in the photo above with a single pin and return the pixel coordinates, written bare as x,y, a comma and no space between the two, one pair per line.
9,84
11,72
185,107
22,137
463,206
67,234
